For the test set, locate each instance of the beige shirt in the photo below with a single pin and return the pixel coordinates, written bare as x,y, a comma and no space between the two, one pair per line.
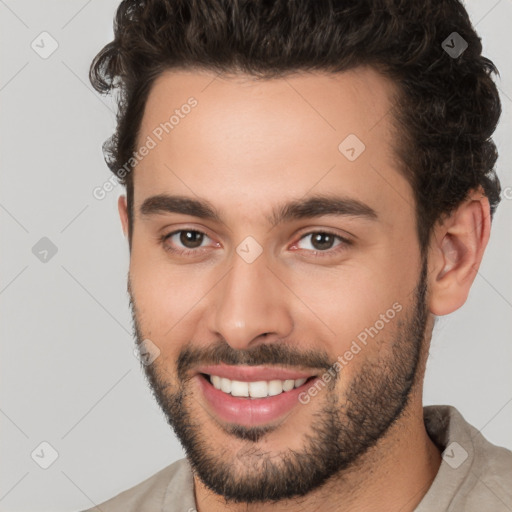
474,476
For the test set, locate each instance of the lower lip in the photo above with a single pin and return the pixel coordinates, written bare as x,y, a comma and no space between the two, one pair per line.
250,411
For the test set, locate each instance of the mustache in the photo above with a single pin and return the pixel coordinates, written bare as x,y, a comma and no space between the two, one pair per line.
277,354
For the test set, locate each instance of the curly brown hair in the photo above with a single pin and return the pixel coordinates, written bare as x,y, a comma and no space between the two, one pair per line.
447,107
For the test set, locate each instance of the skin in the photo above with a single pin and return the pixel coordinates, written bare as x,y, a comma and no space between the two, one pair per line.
246,147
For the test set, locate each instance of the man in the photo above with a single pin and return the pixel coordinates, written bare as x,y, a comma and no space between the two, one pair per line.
309,184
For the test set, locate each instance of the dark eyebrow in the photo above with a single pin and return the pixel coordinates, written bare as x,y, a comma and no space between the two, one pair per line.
164,203
319,205
312,206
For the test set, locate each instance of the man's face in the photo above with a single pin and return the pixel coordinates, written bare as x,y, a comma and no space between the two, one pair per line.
268,304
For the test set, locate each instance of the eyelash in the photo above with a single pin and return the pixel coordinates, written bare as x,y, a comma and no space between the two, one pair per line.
319,254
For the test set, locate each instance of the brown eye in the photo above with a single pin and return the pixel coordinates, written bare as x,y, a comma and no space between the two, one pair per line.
323,243
321,240
184,241
191,239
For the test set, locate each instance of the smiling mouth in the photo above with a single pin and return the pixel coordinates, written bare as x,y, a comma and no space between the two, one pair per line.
252,395
254,389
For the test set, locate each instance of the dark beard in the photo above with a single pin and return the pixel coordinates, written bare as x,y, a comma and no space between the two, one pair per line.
341,433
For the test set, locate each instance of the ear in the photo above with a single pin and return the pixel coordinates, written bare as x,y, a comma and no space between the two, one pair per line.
123,213
456,249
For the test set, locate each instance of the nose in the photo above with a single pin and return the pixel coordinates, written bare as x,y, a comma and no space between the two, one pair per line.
250,305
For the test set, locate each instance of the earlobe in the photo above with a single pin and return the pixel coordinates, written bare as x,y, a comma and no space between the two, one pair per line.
456,254
123,213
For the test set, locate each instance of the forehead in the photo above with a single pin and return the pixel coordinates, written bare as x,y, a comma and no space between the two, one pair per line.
305,106
259,140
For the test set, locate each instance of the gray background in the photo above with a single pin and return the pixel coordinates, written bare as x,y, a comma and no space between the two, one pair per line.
68,373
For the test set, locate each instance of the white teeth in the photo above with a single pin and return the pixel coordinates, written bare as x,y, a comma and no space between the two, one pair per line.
225,385
239,388
288,385
275,387
258,389
216,381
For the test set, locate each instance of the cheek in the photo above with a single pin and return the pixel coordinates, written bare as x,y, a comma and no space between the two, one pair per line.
168,299
355,309
345,300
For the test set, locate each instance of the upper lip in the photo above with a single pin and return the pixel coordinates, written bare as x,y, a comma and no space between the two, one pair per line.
253,373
